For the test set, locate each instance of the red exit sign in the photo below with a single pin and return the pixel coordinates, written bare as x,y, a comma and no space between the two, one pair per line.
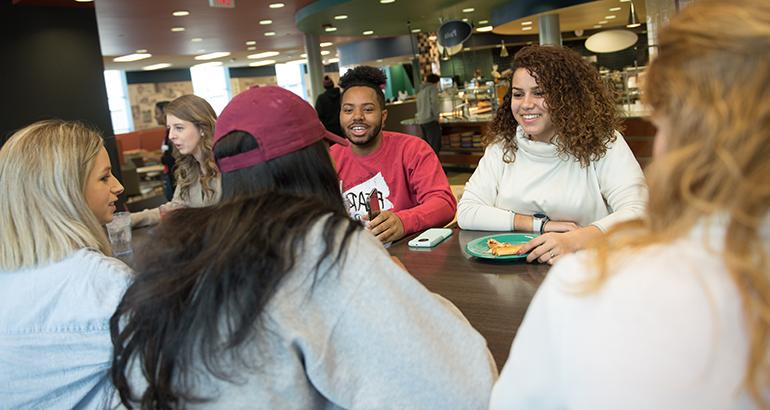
222,3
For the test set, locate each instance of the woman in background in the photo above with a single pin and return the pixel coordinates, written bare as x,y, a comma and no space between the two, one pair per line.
191,121
671,311
554,163
277,299
58,285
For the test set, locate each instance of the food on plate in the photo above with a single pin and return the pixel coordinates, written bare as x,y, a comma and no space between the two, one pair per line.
503,248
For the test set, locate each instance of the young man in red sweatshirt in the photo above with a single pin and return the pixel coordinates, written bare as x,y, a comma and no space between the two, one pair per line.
414,192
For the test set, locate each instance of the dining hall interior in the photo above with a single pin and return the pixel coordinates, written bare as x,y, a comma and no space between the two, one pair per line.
542,167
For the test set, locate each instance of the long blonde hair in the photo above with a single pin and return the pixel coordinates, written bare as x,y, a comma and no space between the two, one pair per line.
44,216
711,82
197,111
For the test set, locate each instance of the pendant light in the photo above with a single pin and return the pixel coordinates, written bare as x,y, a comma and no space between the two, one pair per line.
503,50
632,19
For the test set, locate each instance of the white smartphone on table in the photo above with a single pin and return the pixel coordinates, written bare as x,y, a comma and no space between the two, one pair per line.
430,238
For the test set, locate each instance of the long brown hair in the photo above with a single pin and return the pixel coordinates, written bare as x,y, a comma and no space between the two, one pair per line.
197,111
711,84
582,108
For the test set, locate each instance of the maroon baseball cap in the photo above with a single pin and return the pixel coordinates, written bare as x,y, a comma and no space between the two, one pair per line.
278,119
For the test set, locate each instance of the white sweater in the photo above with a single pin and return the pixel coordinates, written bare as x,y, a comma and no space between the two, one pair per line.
665,331
604,193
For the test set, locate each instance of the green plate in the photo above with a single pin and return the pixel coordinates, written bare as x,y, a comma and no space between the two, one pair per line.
478,247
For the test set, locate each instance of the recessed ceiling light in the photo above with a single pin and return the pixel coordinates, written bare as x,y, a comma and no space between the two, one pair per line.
368,32
142,51
334,60
252,48
303,55
603,22
211,56
180,13
625,1
340,17
131,57
261,63
326,44
325,52
469,10
615,9
209,64
483,21
484,29
251,43
156,66
379,60
330,29
265,22
465,20
526,23
266,54
276,5
269,33
177,29
609,17
597,26
416,30
387,1
196,40
526,28
300,61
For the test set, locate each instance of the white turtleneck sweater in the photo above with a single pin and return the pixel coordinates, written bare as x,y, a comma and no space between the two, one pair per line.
604,193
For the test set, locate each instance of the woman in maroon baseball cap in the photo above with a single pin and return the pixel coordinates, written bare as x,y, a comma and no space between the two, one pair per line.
275,298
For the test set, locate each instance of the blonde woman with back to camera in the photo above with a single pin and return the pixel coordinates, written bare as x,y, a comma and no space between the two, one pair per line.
190,120
672,311
58,285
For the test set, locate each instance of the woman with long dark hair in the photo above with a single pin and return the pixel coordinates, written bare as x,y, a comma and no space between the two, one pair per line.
277,299
554,162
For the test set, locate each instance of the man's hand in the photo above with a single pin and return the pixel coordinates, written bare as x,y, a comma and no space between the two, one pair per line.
387,227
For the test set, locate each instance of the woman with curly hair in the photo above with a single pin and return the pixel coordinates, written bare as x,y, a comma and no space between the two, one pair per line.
191,127
554,162
671,311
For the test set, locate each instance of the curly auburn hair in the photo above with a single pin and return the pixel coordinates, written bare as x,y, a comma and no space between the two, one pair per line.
365,76
582,107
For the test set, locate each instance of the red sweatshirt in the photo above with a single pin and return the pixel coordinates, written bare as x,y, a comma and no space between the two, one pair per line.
408,175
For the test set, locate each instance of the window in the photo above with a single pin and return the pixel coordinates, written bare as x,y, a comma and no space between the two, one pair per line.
117,99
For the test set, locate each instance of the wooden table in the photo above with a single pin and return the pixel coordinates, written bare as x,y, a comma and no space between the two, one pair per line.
494,296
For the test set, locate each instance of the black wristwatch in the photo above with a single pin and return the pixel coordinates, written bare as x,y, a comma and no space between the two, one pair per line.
539,221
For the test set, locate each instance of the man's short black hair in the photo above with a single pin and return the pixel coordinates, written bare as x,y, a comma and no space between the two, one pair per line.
365,76
432,78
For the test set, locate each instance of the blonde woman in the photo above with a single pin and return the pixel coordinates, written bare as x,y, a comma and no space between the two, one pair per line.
58,285
190,120
672,311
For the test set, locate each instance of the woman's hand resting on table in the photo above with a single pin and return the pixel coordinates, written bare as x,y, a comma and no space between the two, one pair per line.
560,238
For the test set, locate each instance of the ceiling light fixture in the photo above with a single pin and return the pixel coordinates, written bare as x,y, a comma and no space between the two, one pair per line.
156,66
325,52
484,29
131,57
177,29
334,60
603,22
416,30
469,10
142,51
597,26
209,64
266,54
483,21
633,21
503,50
196,40
340,17
610,17
387,1
251,43
330,29
445,54
252,48
269,33
276,5
615,9
265,22
180,13
368,32
211,56
527,28
262,63
526,23
326,44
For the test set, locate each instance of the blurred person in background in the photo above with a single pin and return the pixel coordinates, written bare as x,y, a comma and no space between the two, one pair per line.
327,105
428,110
167,152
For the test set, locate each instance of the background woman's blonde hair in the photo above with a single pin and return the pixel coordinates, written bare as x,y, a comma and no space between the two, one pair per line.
197,111
44,216
711,84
